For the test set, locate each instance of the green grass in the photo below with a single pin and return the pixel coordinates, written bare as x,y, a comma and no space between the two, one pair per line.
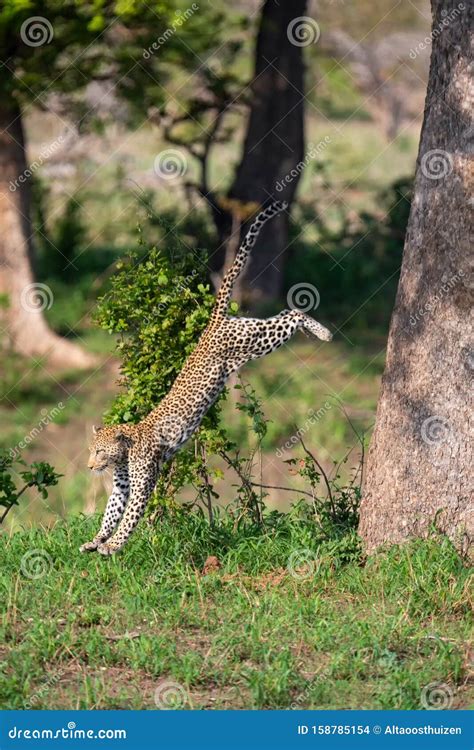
343,632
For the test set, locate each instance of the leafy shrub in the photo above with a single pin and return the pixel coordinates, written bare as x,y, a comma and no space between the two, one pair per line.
158,307
40,475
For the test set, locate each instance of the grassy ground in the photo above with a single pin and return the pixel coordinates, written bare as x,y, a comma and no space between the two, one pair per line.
282,620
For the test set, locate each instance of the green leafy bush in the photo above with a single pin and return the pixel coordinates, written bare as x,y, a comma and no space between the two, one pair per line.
158,307
40,475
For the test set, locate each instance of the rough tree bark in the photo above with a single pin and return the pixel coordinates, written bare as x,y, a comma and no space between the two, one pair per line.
274,141
23,322
419,467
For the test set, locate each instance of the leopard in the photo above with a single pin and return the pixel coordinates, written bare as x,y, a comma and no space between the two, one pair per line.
137,452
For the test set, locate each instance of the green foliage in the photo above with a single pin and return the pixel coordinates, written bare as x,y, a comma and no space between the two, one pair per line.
334,507
133,43
39,474
158,307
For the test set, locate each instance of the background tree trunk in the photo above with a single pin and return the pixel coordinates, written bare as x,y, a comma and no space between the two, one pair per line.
23,321
419,465
274,143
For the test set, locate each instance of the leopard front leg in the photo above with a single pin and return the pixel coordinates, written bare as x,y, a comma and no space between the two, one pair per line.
142,483
113,510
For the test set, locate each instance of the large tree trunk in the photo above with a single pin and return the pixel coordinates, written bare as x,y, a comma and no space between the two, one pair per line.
23,320
419,467
274,140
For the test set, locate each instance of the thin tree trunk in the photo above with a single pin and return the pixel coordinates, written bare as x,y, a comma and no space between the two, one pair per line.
274,142
23,321
419,468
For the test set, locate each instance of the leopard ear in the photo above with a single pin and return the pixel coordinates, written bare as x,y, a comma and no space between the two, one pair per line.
96,429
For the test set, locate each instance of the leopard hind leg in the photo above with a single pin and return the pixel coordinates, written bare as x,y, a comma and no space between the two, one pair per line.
252,338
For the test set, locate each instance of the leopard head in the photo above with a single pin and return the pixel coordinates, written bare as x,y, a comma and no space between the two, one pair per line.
109,448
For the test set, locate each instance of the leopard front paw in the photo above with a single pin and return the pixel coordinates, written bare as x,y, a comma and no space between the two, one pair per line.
89,546
108,548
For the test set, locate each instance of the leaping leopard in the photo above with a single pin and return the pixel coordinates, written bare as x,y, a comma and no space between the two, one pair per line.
136,452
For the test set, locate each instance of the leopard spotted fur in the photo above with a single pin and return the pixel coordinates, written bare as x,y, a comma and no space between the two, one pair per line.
136,452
